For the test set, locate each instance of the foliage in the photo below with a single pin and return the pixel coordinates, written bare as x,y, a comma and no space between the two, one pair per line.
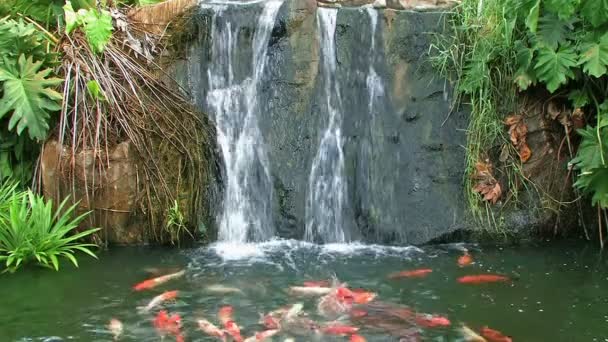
97,25
560,45
28,94
33,232
176,225
478,57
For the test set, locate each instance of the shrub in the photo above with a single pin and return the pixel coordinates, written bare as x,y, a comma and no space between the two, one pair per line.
30,231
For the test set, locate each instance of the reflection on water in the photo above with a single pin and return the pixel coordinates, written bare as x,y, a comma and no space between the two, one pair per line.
559,293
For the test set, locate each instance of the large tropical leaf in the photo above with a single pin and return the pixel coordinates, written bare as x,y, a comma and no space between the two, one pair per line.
29,96
594,57
553,31
595,182
564,9
97,27
589,155
595,11
553,67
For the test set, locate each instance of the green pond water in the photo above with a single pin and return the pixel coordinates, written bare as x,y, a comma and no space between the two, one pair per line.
560,294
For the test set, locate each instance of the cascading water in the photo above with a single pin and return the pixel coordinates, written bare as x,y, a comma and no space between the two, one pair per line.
327,187
247,214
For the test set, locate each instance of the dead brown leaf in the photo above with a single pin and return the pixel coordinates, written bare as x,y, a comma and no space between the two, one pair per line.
518,132
486,184
578,118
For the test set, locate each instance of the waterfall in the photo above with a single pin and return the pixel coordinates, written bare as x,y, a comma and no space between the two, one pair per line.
327,187
247,212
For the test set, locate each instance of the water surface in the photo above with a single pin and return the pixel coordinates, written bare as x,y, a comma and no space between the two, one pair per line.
560,293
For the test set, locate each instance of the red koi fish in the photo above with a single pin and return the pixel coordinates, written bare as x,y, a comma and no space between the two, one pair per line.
432,321
150,283
465,260
357,338
345,295
317,283
166,324
225,314
482,278
419,273
494,335
338,329
233,330
210,329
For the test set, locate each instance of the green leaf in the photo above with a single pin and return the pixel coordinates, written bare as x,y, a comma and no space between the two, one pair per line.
71,19
589,155
594,57
532,18
98,28
595,182
524,76
579,98
95,90
28,94
554,67
595,11
564,9
553,31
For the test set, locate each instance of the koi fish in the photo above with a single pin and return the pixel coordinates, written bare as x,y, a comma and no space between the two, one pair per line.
432,321
210,329
221,289
309,290
494,335
234,331
363,297
167,324
116,328
357,338
465,260
150,283
262,336
358,313
339,329
482,278
225,314
419,273
470,335
318,283
165,296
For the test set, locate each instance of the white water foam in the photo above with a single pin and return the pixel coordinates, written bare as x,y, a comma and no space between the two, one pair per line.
247,212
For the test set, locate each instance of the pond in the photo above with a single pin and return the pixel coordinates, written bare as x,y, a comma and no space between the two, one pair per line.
558,291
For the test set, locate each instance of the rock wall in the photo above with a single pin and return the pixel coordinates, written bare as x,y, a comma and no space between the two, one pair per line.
404,161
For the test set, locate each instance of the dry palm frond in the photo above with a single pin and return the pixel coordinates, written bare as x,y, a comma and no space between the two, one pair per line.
155,18
174,143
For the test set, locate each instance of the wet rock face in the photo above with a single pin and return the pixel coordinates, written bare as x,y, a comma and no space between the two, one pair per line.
404,155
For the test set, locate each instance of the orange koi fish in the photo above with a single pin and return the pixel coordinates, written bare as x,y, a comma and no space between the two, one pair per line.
494,335
419,273
432,321
357,338
362,296
150,283
210,329
339,329
165,296
465,260
225,314
482,278
233,330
